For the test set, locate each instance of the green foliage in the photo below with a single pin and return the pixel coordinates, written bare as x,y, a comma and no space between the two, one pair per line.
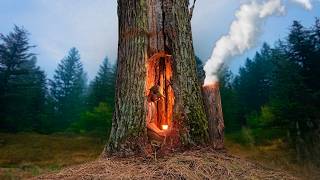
22,84
256,136
97,121
262,119
200,72
102,88
67,90
254,81
244,136
24,155
230,102
276,94
295,97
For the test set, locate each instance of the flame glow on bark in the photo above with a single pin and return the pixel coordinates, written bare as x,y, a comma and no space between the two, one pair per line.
159,72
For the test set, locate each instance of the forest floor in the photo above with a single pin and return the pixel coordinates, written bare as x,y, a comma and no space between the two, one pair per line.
25,155
75,157
193,164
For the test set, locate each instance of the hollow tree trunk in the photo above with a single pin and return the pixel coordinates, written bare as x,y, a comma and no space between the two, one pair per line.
155,48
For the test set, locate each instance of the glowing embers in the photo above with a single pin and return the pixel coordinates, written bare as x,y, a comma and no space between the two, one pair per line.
159,74
165,127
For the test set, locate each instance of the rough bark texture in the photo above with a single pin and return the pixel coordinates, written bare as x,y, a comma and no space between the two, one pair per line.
212,101
128,125
147,27
178,43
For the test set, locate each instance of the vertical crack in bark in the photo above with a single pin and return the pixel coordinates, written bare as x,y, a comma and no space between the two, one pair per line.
147,27
166,49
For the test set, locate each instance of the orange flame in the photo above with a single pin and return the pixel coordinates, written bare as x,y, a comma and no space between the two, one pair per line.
159,72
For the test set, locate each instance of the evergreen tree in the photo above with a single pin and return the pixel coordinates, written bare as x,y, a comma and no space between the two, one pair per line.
200,71
229,101
254,82
278,92
102,88
295,102
316,34
316,62
67,89
23,84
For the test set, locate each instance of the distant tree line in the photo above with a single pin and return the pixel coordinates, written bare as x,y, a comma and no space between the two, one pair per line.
276,94
29,101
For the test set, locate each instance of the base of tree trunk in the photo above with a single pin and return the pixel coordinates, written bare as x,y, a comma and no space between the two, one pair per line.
148,146
212,101
129,147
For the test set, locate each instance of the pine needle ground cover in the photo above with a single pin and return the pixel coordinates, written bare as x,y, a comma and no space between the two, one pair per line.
193,164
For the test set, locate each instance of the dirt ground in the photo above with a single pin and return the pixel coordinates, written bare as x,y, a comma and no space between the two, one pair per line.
192,164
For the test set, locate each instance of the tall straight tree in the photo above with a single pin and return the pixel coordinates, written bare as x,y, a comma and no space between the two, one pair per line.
296,90
255,77
155,48
103,86
22,89
229,100
67,89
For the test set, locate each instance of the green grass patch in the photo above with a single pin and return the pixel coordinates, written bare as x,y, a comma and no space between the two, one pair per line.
270,151
256,136
27,154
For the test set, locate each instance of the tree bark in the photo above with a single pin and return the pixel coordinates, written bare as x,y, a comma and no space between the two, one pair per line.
156,31
128,125
212,101
178,40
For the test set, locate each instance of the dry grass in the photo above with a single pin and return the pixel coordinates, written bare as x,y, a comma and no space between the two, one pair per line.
193,164
74,157
27,154
275,155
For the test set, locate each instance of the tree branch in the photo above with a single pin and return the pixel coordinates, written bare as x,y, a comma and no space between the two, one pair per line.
192,8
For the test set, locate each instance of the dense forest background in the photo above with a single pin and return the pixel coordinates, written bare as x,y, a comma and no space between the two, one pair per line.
30,101
275,95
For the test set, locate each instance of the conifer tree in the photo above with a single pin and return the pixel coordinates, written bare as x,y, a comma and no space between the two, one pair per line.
102,88
22,90
67,89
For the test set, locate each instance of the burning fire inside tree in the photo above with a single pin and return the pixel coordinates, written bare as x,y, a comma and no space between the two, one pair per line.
165,126
159,82
159,74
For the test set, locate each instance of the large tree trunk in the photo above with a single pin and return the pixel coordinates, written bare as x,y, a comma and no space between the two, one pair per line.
155,48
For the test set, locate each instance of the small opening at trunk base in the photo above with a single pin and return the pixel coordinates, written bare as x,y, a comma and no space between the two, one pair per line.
159,92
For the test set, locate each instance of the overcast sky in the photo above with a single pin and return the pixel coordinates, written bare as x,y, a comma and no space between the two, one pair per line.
91,26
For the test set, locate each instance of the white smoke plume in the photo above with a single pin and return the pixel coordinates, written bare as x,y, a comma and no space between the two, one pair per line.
305,3
242,35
